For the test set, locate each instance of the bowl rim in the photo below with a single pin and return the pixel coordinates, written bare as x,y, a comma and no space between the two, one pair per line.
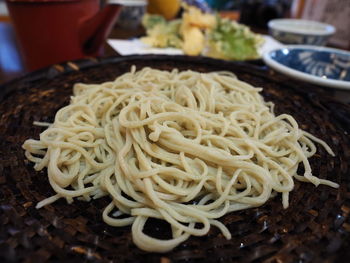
331,83
275,25
129,3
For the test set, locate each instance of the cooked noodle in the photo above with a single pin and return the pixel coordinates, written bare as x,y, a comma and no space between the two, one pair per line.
184,147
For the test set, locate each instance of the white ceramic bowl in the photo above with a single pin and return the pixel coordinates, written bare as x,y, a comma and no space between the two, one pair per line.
297,31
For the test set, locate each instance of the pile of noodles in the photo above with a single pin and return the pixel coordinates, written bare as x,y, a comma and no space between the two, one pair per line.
184,147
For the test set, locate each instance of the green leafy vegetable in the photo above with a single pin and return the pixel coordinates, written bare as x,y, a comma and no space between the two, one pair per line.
230,40
150,21
160,32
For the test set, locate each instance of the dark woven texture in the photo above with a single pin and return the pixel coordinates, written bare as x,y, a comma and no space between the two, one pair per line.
313,229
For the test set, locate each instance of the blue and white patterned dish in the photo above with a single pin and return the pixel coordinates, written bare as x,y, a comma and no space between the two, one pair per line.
318,65
131,13
303,32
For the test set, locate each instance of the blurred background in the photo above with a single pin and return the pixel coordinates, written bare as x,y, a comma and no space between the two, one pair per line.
254,13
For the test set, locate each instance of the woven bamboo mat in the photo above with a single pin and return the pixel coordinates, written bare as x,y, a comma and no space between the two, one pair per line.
315,228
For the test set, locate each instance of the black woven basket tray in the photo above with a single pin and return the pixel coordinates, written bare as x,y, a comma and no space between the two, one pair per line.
315,227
